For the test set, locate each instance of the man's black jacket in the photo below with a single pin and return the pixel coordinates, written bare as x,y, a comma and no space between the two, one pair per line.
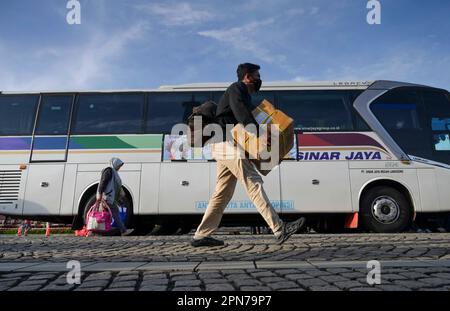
235,107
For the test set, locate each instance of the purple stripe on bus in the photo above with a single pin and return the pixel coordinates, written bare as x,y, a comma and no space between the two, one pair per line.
15,143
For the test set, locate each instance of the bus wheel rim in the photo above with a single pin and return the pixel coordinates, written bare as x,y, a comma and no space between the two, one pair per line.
385,210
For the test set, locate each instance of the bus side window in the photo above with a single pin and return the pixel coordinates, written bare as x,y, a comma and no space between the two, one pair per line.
437,105
54,113
316,111
260,96
401,113
17,114
165,109
360,124
216,96
120,113
256,98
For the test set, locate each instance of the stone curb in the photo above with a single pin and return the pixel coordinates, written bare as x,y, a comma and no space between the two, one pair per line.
196,266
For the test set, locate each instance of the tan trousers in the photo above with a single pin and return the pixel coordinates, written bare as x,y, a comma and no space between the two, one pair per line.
232,166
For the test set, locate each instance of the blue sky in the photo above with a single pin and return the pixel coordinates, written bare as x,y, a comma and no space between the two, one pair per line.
144,44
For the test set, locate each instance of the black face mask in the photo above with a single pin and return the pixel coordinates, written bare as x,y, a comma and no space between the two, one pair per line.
257,84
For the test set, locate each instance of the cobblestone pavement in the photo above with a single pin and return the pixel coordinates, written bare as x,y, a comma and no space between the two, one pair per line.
246,262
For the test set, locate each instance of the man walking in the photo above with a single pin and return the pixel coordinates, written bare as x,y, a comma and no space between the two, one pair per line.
235,107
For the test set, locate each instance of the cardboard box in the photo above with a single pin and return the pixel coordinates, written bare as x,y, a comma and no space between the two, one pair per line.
266,114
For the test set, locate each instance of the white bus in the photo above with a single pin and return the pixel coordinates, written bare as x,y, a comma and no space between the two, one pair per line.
377,152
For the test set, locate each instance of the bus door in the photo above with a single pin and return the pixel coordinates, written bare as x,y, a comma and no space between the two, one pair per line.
17,115
48,155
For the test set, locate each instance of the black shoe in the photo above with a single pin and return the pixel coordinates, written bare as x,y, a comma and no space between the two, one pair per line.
289,229
207,241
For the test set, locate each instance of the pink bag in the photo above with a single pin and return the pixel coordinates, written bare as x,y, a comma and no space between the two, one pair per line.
99,217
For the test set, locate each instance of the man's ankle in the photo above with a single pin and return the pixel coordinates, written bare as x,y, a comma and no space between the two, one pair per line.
278,233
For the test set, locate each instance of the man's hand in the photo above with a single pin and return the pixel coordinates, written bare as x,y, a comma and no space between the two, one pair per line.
98,197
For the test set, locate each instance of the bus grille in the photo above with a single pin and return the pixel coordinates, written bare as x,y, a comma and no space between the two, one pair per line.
9,186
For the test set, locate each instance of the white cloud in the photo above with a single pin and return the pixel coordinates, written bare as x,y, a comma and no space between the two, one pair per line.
46,52
301,78
314,10
102,49
396,67
68,67
296,12
420,67
179,14
6,78
244,38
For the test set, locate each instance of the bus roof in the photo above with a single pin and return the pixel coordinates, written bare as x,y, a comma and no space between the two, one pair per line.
280,85
221,86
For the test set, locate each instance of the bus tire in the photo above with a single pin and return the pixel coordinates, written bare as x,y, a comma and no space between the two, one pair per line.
385,210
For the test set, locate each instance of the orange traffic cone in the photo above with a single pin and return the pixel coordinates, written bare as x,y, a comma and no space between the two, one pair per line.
47,230
19,231
351,222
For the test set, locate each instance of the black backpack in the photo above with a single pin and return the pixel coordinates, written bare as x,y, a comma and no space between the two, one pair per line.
207,113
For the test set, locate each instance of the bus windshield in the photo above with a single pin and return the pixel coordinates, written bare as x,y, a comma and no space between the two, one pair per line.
418,120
